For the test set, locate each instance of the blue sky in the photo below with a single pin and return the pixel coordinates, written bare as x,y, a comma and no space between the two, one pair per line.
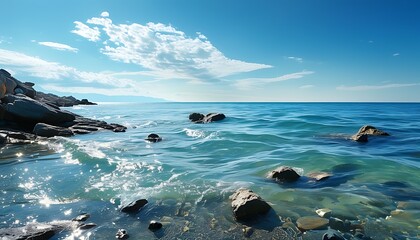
187,50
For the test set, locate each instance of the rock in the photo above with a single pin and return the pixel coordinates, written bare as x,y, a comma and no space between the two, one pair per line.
370,130
135,206
84,101
248,231
37,231
86,226
3,138
46,130
30,110
332,235
121,234
66,101
153,138
324,212
213,117
2,89
338,224
311,223
154,225
81,218
247,204
196,117
284,174
319,176
360,138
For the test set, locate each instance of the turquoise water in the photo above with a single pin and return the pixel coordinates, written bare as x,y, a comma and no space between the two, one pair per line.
189,176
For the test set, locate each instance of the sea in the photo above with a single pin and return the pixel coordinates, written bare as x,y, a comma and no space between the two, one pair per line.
189,176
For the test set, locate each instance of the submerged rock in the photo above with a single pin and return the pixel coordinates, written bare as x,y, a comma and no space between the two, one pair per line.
312,223
370,130
135,206
284,174
196,117
319,176
154,225
246,204
153,138
81,218
324,212
360,137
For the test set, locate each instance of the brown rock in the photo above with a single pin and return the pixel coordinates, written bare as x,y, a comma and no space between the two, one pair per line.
246,204
284,174
360,137
319,176
370,130
312,223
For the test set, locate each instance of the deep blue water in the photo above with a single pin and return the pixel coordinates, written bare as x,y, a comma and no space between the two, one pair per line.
189,176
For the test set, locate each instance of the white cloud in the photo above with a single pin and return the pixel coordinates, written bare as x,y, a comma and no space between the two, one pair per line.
306,86
104,14
396,54
376,87
297,59
162,49
59,46
91,34
251,82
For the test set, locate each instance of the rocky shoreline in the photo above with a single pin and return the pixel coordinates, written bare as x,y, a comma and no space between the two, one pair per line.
26,114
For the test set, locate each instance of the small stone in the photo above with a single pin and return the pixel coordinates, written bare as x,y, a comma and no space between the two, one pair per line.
121,234
248,231
134,206
87,226
153,138
311,223
324,212
81,218
284,174
154,225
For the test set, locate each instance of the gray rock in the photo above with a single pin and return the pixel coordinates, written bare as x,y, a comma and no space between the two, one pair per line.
213,117
46,130
81,218
31,110
135,206
284,174
86,226
196,117
37,231
311,223
3,138
121,234
246,204
338,224
360,137
153,138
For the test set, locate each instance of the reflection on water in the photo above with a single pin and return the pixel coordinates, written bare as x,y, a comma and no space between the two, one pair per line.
189,176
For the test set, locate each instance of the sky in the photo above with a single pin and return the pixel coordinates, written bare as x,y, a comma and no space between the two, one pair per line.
217,51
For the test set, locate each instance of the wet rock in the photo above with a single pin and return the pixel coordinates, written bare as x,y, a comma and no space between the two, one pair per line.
37,231
370,130
153,138
46,130
324,212
211,117
311,223
284,174
135,206
121,234
86,226
154,226
360,138
338,224
319,176
332,235
196,117
3,138
248,231
66,101
81,218
246,204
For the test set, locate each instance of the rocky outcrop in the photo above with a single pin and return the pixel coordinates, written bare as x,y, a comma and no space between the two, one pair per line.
365,131
284,174
201,118
26,114
247,205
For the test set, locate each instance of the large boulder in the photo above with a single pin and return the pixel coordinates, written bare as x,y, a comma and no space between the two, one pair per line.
247,205
365,131
284,174
46,130
196,117
34,111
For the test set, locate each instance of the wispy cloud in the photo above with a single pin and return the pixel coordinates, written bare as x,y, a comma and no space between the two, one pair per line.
59,46
251,82
162,49
396,54
306,86
376,87
91,34
296,59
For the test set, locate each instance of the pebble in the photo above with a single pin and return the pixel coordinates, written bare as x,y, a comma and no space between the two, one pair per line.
324,212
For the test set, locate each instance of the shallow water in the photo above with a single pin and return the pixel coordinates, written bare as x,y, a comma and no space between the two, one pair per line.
189,176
